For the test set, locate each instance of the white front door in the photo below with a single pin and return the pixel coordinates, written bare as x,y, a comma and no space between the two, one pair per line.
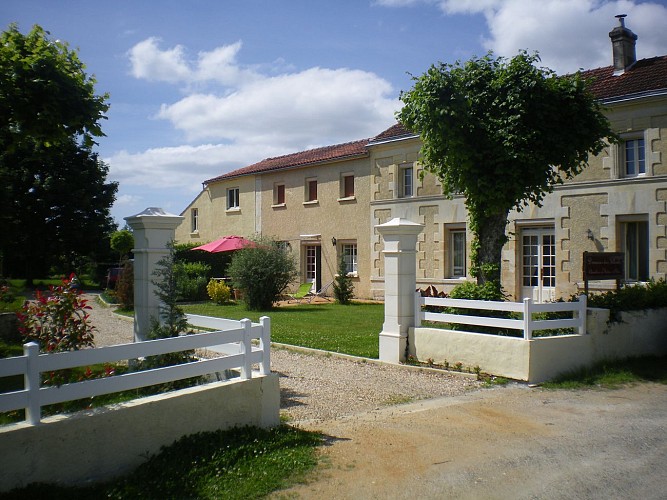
538,264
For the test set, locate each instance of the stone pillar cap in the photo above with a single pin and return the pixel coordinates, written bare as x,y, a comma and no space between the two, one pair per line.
400,225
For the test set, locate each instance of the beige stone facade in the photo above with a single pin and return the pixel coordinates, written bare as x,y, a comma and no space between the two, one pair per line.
617,204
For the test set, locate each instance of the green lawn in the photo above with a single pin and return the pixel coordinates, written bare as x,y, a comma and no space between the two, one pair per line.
351,329
612,374
233,464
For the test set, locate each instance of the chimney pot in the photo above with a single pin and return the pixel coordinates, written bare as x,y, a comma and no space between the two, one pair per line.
623,46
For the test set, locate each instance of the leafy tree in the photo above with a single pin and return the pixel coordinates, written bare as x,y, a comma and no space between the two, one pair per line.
503,133
342,285
54,198
262,271
122,242
45,95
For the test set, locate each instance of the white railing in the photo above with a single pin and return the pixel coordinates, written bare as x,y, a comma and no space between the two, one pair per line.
527,308
232,338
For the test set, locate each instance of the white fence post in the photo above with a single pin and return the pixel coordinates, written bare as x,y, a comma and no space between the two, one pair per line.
32,382
265,345
418,308
400,277
582,313
153,230
527,319
246,349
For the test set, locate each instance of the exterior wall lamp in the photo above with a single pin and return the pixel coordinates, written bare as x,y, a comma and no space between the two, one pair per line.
333,241
589,235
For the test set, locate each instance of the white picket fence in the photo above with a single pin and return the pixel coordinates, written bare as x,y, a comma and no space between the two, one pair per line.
232,338
527,308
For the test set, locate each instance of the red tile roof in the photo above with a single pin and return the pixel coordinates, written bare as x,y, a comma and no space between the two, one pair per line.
646,75
300,159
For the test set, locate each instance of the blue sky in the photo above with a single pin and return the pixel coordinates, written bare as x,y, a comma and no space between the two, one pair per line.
201,87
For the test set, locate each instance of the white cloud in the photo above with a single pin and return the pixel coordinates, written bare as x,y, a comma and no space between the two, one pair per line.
311,107
127,200
182,166
151,63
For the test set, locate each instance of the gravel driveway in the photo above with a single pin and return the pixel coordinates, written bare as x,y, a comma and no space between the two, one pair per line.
316,387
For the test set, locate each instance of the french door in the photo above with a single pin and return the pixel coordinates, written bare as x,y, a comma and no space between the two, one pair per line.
538,264
313,266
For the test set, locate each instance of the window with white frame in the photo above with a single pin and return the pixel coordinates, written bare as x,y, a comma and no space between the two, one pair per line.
406,180
233,199
635,244
634,157
457,253
194,220
349,253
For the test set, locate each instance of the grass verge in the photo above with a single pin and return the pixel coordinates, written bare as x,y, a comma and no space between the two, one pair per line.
239,463
613,374
351,329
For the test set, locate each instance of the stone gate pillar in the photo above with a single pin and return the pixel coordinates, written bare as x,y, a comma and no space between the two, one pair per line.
400,278
153,230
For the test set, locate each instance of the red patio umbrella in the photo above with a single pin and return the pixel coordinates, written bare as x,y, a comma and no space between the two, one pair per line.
226,244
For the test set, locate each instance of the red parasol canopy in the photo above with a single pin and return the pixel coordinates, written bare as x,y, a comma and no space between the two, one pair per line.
226,244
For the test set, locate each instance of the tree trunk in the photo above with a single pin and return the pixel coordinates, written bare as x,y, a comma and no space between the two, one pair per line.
491,237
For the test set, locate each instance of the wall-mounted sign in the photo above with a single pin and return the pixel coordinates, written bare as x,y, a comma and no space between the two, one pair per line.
604,265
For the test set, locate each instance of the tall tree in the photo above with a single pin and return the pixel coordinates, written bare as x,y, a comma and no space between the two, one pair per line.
503,133
54,197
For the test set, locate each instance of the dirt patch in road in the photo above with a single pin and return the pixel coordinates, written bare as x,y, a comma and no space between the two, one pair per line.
511,442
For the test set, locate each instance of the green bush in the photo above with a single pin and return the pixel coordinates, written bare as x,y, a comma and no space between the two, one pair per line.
191,280
343,287
124,293
262,272
219,292
218,261
652,295
470,290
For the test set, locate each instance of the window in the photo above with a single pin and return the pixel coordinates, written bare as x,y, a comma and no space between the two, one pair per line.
635,161
635,241
406,184
279,194
350,257
233,198
457,245
194,220
311,190
347,186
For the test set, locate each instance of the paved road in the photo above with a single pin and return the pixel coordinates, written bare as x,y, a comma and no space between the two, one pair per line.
505,443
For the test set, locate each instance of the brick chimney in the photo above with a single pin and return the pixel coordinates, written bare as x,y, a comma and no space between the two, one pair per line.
623,46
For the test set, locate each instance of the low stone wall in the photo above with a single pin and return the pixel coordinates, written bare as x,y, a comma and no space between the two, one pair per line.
106,442
638,333
9,330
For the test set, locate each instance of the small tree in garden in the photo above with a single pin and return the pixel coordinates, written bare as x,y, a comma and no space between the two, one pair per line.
218,291
122,242
342,285
262,271
171,323
58,321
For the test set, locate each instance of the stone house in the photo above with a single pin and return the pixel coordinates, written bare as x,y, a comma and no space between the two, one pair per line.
324,203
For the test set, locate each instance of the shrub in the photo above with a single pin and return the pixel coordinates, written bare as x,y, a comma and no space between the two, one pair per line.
191,280
217,260
219,292
58,321
631,298
124,294
262,272
342,285
171,323
472,291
